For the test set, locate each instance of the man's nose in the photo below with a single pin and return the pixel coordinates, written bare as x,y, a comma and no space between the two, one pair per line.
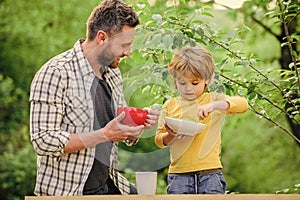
127,53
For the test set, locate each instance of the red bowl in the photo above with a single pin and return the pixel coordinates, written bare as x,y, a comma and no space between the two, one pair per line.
133,116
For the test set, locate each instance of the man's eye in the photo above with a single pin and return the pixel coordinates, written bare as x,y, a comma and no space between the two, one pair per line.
126,45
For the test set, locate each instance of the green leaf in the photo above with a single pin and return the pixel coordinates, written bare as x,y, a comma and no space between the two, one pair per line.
207,14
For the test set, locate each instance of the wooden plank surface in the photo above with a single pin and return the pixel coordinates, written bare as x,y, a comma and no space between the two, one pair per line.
174,197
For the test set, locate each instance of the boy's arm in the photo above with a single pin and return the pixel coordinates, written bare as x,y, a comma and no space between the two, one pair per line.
161,131
205,109
164,135
232,105
238,105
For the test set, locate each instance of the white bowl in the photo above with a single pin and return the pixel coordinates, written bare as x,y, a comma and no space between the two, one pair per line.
184,127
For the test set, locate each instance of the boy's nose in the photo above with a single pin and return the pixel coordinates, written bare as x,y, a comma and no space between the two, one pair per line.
188,87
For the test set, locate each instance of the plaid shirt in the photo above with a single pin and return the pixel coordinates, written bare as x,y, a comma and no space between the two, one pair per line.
61,104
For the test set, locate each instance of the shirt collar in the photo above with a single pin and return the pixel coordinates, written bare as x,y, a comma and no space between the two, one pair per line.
84,63
104,71
85,66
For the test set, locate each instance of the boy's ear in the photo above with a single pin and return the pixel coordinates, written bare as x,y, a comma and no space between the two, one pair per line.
207,82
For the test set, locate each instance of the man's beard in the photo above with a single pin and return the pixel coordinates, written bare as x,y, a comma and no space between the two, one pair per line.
106,58
115,63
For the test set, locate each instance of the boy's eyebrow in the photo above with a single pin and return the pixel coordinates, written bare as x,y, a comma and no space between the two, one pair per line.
180,79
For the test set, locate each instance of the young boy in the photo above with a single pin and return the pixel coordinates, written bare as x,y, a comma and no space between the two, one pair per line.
195,160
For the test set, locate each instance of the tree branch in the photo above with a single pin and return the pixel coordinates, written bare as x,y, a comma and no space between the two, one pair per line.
277,36
287,34
263,97
274,122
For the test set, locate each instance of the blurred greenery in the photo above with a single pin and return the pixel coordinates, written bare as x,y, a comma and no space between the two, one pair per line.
259,152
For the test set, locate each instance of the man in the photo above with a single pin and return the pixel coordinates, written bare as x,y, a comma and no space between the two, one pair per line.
73,125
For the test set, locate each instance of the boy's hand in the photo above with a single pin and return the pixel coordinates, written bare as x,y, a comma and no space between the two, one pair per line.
172,136
170,132
204,110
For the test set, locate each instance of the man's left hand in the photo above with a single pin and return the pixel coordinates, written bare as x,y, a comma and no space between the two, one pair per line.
152,117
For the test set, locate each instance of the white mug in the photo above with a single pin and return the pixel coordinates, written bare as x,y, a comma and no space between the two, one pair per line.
146,182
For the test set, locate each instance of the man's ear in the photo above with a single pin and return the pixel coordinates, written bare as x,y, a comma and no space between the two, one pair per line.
101,36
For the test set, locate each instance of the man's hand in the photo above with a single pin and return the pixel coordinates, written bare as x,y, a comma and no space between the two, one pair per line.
117,132
152,117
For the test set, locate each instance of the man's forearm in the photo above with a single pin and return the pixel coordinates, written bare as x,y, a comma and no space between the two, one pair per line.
82,141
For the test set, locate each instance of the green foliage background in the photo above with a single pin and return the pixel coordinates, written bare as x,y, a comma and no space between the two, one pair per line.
258,156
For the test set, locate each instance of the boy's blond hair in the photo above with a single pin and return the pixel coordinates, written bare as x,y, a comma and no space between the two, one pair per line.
193,60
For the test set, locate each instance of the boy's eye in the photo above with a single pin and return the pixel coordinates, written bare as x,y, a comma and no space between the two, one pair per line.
195,83
182,83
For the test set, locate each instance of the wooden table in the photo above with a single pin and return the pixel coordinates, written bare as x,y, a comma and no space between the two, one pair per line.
175,197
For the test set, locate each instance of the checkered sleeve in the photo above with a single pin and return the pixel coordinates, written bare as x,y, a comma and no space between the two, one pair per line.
46,111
